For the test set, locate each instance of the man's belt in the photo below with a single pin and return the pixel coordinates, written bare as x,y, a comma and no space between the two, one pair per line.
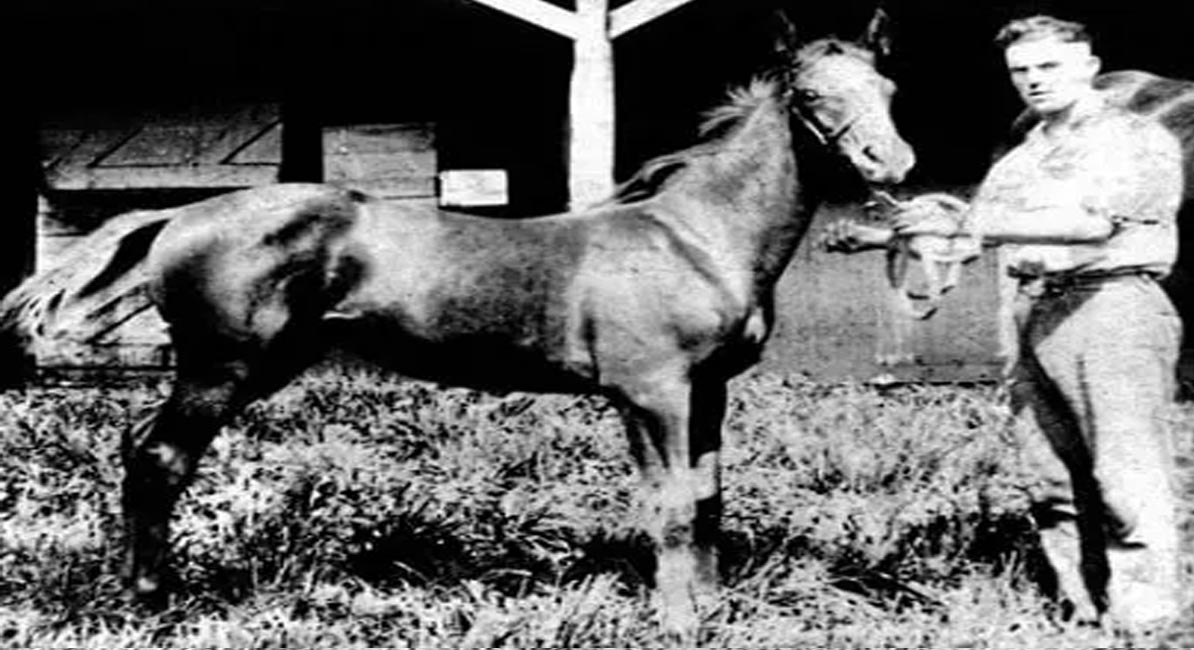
1056,284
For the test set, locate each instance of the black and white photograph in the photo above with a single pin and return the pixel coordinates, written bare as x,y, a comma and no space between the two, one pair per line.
597,324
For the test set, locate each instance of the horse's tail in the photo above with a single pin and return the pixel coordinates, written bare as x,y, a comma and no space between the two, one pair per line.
97,285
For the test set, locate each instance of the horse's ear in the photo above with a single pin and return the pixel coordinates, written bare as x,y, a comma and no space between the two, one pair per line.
878,33
787,41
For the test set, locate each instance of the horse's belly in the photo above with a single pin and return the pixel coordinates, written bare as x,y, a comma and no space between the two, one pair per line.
478,357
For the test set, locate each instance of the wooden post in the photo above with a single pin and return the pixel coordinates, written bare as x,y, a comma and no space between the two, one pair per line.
591,116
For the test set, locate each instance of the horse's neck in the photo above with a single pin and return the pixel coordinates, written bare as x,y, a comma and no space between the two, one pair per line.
745,200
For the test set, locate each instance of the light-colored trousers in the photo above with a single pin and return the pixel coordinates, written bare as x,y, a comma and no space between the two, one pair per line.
1096,376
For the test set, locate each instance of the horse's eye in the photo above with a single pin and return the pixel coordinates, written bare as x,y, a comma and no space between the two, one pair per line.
808,96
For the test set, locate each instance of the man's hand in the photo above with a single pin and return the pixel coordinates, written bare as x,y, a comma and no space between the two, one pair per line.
848,236
936,215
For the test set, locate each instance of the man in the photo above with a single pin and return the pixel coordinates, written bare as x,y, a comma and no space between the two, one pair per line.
1086,208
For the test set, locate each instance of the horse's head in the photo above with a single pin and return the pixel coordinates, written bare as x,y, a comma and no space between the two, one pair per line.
839,94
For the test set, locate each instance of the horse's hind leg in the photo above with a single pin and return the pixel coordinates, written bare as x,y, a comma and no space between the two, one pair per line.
214,379
160,458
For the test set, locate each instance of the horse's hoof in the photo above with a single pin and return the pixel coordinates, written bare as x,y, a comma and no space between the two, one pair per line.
681,628
894,359
147,595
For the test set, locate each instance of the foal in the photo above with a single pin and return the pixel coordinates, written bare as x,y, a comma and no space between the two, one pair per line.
654,300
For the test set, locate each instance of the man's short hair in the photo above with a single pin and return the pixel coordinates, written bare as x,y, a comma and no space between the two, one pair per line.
1037,27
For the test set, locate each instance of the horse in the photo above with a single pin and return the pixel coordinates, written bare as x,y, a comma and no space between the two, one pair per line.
653,299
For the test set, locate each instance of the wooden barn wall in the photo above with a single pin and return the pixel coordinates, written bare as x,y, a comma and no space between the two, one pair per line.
389,161
835,320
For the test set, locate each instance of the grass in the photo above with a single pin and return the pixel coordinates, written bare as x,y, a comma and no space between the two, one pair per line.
352,510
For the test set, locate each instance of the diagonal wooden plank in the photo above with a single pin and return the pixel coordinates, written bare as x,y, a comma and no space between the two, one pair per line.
537,12
237,130
638,13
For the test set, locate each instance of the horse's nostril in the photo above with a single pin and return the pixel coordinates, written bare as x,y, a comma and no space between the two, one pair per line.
870,154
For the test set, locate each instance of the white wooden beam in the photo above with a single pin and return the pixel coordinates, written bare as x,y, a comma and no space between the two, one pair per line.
638,13
538,12
592,28
591,117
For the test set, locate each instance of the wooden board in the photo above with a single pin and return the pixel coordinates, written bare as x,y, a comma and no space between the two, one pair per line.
465,188
222,148
390,161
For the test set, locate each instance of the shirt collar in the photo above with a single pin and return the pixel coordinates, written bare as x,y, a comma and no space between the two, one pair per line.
1085,112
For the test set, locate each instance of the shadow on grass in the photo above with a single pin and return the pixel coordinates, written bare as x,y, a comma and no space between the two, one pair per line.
630,558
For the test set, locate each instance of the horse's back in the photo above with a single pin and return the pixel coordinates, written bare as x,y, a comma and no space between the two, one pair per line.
550,296
1169,101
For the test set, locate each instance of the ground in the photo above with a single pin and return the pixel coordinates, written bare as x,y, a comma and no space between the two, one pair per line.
353,510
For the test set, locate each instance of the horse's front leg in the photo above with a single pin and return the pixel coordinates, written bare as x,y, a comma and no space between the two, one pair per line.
681,506
707,414
160,458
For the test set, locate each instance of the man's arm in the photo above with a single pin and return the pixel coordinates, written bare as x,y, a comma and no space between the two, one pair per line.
848,236
1053,225
1047,225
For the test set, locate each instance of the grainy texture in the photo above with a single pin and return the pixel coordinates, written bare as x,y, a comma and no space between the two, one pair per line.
353,510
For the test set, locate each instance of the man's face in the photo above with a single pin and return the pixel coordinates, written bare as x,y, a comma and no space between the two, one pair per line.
1049,74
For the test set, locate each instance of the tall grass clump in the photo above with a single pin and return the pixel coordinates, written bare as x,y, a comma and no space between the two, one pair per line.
356,510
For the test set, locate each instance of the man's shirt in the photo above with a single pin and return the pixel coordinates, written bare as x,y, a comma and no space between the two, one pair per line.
1106,164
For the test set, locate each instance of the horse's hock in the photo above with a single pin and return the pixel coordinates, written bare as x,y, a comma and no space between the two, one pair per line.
95,172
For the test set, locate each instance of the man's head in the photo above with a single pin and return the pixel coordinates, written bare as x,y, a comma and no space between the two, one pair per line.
1050,62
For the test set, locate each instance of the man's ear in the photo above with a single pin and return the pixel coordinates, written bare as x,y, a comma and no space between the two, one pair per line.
1096,65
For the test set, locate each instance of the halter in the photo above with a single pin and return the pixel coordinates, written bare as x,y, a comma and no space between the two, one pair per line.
821,132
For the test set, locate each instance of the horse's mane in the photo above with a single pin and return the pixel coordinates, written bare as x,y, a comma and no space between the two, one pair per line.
719,122
718,125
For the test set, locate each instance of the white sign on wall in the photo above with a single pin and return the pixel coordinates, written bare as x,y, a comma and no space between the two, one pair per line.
473,187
